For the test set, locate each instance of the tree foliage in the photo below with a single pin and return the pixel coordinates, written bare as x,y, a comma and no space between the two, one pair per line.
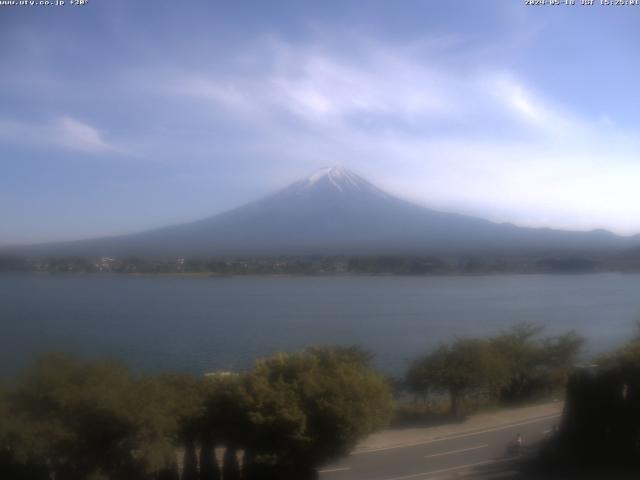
626,358
467,366
309,407
79,420
515,365
537,364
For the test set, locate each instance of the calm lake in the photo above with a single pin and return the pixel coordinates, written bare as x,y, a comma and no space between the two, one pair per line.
206,324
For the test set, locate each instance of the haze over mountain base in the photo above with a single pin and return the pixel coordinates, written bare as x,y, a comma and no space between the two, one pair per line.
336,212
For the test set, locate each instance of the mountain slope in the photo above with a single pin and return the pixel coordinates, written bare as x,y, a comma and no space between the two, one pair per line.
334,211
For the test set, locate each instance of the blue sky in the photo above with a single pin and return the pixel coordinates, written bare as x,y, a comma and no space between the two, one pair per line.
121,116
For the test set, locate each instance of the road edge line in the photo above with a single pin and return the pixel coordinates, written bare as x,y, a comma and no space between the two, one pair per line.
469,433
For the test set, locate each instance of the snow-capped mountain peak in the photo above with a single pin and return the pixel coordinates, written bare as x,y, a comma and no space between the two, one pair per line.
336,212
337,176
336,179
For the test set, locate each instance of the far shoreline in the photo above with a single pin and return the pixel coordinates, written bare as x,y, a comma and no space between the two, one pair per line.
206,275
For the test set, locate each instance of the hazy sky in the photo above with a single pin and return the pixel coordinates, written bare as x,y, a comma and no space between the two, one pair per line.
124,115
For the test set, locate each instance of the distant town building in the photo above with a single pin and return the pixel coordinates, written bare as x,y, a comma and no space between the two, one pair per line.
105,264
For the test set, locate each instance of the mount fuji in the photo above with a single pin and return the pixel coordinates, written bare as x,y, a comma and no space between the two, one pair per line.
334,211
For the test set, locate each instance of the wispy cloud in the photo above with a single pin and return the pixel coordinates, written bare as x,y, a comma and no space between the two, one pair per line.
62,132
458,112
460,137
412,91
318,86
73,134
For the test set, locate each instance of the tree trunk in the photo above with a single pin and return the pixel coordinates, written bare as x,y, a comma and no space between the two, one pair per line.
456,410
230,466
190,464
209,468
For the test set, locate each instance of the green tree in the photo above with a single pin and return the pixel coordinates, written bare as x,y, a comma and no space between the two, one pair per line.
225,418
418,378
626,358
183,404
168,409
76,419
309,407
79,420
524,354
537,364
467,366
562,351
517,364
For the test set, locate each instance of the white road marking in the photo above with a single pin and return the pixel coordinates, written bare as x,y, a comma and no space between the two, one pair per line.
462,435
330,470
424,475
457,451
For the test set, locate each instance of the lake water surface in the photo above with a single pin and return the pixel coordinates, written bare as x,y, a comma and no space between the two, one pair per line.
205,324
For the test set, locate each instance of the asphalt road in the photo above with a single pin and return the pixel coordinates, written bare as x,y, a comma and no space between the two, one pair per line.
472,453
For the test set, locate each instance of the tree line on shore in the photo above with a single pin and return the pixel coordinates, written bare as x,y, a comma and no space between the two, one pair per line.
70,419
318,264
78,420
515,366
